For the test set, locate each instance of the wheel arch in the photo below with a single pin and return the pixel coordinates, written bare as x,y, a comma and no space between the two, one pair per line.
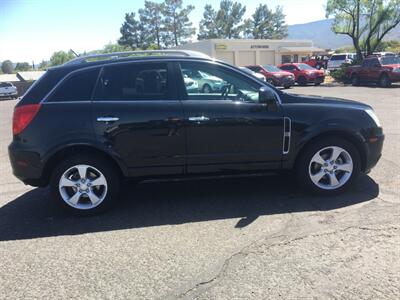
349,136
69,150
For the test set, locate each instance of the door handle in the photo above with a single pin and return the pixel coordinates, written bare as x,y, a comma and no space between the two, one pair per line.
107,119
198,119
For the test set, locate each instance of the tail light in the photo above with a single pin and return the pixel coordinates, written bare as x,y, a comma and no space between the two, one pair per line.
23,115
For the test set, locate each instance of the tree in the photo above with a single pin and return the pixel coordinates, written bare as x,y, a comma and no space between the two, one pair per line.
176,21
346,15
61,57
208,27
227,20
151,19
7,67
382,17
43,65
260,25
280,29
24,66
132,32
366,22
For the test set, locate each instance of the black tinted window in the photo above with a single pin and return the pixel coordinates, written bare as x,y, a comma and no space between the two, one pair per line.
134,82
78,87
288,68
5,84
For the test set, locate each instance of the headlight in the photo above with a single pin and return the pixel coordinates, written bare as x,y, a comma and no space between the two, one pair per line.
396,70
373,116
278,75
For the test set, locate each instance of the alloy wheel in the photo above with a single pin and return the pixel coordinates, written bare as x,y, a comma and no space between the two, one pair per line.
83,187
330,168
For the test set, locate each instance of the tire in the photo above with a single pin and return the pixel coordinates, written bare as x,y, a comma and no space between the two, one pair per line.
206,89
71,191
287,87
355,81
302,81
384,81
317,83
319,177
270,81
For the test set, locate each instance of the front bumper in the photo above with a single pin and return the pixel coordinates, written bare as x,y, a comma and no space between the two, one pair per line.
374,151
319,79
283,81
394,76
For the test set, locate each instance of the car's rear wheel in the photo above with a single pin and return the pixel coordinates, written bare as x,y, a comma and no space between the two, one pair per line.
287,86
85,184
328,166
302,81
355,81
384,81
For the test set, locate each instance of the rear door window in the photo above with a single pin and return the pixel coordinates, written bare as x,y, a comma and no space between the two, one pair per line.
134,82
77,87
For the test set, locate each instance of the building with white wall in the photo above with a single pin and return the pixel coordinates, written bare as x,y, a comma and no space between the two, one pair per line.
242,52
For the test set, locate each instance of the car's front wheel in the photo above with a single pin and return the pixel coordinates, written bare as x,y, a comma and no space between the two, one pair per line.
328,166
85,184
384,81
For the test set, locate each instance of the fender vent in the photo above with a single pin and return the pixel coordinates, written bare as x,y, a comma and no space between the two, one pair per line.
287,131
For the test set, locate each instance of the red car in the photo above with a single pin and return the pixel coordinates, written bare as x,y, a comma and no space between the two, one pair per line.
381,70
304,74
274,75
317,61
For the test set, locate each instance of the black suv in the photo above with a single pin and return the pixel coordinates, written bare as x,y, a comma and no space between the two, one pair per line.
86,125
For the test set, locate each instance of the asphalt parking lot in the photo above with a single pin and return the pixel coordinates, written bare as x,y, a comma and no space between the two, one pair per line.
251,238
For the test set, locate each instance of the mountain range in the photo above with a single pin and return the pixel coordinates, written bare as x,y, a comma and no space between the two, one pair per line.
321,34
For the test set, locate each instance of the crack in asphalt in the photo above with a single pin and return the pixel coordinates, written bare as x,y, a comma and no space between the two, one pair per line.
221,273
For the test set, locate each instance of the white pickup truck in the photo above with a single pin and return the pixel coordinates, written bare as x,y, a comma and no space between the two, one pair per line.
7,89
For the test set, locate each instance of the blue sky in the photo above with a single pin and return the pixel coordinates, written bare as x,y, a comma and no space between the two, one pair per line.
31,30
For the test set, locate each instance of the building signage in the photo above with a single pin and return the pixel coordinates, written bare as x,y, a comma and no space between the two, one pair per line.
259,46
221,46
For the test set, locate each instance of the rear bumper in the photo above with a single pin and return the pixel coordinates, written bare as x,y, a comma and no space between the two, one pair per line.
12,94
26,165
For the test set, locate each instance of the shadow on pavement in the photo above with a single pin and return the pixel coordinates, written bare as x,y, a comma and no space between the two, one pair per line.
34,215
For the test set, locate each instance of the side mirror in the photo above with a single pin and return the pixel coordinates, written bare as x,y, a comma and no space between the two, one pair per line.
267,96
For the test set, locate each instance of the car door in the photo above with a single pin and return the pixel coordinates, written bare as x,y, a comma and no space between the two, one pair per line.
375,70
364,71
229,130
137,115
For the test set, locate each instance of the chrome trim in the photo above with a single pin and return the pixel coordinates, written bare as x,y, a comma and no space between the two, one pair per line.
107,119
287,133
198,119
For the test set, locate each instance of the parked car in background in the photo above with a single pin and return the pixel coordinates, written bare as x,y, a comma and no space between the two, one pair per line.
255,74
304,74
317,61
206,82
190,84
274,75
8,90
337,60
381,54
380,70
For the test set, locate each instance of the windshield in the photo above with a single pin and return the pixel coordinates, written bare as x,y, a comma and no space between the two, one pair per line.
390,60
271,68
338,57
304,67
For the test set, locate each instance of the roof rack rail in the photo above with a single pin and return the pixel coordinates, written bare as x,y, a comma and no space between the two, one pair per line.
119,55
